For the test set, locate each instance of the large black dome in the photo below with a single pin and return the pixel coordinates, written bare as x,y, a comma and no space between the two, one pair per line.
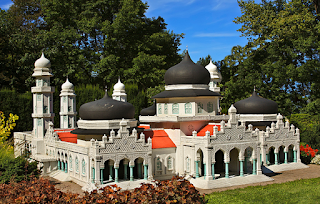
187,72
151,110
256,105
106,109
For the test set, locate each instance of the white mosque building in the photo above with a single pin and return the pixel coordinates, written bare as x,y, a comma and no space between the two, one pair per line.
181,134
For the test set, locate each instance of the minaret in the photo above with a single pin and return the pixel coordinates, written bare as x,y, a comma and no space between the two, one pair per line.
67,106
42,97
119,92
215,77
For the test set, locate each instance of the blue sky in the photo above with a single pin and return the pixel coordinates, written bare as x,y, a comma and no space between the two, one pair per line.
207,24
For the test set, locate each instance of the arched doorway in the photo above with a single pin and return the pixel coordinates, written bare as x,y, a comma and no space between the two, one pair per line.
290,153
108,171
248,160
271,156
281,154
138,168
219,167
124,169
234,166
199,164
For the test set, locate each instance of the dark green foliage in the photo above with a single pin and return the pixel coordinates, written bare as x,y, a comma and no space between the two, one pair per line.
309,126
17,169
281,57
83,38
19,104
136,97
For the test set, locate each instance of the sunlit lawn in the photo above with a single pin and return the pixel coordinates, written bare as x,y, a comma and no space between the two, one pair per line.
300,191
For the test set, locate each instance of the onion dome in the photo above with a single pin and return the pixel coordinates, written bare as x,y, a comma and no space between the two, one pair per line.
119,86
106,109
187,72
67,85
232,109
42,62
214,72
151,110
256,105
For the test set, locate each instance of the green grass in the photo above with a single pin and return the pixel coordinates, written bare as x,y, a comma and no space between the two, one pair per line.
300,191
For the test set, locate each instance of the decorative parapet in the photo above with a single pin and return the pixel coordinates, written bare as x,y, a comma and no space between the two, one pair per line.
280,131
124,141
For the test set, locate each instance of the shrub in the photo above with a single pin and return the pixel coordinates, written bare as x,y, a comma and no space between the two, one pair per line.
176,190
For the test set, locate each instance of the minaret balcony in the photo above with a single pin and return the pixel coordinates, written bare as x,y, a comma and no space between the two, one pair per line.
43,115
42,89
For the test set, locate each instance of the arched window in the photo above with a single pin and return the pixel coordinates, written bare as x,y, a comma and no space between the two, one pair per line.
165,108
200,107
175,108
77,164
188,108
159,164
170,163
83,167
188,164
159,108
70,162
210,107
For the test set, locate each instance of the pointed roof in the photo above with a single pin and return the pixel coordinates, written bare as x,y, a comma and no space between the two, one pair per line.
187,72
256,105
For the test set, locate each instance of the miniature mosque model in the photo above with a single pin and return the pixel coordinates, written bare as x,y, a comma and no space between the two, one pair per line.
182,133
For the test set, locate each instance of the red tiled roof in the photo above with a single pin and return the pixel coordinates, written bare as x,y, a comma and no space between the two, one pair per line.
203,131
66,136
160,139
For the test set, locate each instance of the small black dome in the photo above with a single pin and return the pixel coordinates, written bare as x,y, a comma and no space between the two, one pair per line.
187,72
151,110
256,105
106,109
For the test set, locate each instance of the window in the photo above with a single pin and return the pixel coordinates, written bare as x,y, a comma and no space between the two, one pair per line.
39,122
175,108
188,164
45,109
188,108
69,108
83,167
165,108
169,163
159,108
200,107
210,107
77,164
70,163
159,164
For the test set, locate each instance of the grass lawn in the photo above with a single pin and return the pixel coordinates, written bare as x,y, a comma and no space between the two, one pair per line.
300,191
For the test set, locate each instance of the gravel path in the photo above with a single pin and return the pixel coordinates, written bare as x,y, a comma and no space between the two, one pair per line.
280,177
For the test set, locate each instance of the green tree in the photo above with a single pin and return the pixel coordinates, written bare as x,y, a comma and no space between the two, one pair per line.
281,57
88,41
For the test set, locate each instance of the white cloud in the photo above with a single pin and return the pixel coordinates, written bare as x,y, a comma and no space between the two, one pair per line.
215,35
6,6
221,5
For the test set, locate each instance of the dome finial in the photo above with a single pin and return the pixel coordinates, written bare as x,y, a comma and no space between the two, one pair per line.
254,88
187,47
106,89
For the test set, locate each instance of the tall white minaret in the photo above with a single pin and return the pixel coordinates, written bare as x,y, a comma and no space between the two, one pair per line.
42,97
68,112
215,77
119,92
